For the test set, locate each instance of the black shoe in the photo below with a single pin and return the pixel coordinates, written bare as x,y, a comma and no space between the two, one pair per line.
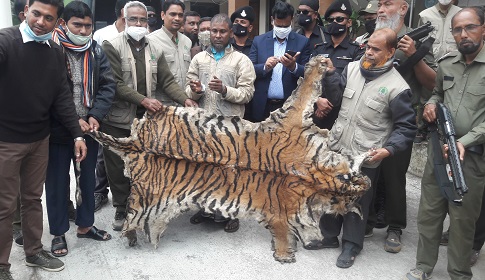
72,215
18,238
119,221
99,201
347,257
330,242
444,238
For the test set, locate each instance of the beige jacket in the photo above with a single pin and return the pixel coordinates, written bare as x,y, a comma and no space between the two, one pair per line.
236,72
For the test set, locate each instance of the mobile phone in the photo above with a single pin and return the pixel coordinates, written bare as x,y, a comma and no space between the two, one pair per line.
290,52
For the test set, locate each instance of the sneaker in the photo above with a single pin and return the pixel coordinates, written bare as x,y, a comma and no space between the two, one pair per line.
99,201
18,238
5,274
416,274
119,221
444,238
369,233
393,242
44,260
474,257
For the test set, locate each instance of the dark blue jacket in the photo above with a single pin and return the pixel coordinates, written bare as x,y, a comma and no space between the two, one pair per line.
104,92
263,47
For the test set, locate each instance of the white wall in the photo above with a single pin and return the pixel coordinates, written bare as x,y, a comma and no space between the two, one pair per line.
5,14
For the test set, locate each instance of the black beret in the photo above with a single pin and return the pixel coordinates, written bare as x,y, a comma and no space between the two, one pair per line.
245,12
342,6
314,4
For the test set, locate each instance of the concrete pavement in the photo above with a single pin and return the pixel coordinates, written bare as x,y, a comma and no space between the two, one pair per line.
205,251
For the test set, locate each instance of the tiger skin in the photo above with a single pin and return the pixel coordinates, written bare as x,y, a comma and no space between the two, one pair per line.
279,171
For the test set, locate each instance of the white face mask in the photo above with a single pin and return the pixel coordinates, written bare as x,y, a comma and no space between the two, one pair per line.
136,32
204,38
78,40
281,32
444,2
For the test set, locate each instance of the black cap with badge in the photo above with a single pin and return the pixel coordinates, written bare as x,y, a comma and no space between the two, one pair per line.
245,12
342,6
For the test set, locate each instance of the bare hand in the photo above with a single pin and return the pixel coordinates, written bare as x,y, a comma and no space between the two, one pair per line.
191,103
289,61
328,61
93,124
80,150
271,63
459,146
151,104
377,155
407,46
216,85
323,107
195,86
84,126
429,113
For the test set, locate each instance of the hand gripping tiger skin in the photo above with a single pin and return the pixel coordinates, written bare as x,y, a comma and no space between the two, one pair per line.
279,171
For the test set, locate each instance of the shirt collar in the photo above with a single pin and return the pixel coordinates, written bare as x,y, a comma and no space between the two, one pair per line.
26,38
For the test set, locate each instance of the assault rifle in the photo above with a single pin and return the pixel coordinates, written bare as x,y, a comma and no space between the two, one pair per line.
419,33
448,172
422,48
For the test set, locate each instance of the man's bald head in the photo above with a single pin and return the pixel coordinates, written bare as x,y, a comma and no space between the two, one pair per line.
388,35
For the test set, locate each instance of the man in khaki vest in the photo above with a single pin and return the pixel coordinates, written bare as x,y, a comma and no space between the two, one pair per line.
134,58
375,116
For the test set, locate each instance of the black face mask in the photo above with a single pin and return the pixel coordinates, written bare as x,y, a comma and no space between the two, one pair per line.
304,20
370,26
239,30
152,21
336,29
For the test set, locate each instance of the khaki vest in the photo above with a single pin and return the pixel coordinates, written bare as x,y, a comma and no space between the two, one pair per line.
122,113
365,119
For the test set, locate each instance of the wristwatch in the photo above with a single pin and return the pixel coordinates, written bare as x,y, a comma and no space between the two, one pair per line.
79,139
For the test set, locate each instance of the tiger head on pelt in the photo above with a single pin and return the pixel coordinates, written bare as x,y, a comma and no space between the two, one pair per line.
279,171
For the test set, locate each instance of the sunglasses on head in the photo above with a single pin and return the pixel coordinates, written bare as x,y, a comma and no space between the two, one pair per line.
305,12
337,19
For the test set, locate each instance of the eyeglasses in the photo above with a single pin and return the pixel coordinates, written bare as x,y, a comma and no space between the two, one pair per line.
469,28
305,12
135,20
337,19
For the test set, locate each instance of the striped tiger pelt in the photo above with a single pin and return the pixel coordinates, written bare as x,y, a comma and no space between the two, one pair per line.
280,170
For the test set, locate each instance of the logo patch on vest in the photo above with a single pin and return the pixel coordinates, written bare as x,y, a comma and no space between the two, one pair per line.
383,91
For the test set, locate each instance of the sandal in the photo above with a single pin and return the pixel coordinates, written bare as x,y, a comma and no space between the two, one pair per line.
59,244
232,225
200,217
347,257
96,234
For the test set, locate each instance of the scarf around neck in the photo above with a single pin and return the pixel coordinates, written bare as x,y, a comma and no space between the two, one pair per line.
373,73
59,36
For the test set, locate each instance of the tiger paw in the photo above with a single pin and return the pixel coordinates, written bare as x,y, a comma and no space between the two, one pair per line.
285,257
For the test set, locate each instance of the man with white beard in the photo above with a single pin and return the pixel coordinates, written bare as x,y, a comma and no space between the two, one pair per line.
420,75
131,54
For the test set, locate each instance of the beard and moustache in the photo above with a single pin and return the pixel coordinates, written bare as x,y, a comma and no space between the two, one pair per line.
468,49
391,22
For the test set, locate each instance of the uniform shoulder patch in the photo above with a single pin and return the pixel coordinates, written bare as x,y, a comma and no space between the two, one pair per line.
448,55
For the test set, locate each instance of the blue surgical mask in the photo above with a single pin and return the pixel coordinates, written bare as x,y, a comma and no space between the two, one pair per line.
37,38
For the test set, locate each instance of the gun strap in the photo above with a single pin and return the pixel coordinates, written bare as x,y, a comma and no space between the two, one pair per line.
420,53
440,172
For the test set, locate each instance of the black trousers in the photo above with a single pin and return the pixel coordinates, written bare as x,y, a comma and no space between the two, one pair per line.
353,226
392,184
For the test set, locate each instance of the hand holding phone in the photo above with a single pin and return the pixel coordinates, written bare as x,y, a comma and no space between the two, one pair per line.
290,52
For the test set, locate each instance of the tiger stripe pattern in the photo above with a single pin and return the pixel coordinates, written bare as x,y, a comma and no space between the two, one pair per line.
279,171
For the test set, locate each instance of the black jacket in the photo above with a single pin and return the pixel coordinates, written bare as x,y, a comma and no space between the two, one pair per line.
104,92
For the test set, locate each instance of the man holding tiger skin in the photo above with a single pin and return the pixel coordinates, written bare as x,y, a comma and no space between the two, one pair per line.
375,116
222,79
128,54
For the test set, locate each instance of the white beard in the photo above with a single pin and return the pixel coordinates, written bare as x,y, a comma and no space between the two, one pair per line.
391,22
